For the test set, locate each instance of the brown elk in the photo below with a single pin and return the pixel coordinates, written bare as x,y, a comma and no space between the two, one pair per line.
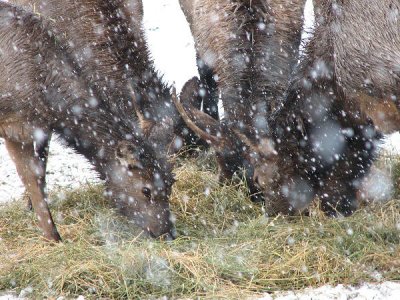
363,39
324,141
44,90
107,40
251,48
344,90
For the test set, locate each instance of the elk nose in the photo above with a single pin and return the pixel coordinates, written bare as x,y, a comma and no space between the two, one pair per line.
256,194
168,236
257,197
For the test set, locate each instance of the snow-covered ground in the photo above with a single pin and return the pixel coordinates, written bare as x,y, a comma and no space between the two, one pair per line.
172,48
367,291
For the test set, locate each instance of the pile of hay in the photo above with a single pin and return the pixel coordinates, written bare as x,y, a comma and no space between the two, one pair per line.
226,247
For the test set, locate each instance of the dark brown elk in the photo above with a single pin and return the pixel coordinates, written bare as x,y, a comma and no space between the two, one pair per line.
344,92
251,48
237,43
364,59
324,139
43,90
107,40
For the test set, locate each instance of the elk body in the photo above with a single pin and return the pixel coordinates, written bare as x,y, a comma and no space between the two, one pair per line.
107,40
45,90
247,49
321,134
250,47
364,52
345,89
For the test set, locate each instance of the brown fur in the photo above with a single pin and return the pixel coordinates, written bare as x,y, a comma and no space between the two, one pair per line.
251,47
364,44
348,79
45,90
108,41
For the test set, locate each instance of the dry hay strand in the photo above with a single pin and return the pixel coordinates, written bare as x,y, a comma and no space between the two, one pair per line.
226,247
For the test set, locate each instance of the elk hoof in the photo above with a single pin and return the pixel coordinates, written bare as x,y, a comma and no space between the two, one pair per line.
28,200
53,236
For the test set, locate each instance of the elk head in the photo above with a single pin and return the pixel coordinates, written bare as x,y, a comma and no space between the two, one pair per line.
236,148
140,186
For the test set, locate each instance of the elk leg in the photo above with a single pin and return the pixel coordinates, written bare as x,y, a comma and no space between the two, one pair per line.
338,198
210,99
42,151
31,170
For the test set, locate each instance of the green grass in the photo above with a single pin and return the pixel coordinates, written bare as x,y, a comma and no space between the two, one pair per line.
226,247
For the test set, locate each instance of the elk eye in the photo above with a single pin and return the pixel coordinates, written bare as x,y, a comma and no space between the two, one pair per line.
135,167
147,192
132,167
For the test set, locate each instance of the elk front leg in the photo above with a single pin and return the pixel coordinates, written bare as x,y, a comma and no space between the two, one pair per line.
31,170
42,152
338,198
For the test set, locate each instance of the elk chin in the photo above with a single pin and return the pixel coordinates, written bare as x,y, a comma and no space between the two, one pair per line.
152,216
267,179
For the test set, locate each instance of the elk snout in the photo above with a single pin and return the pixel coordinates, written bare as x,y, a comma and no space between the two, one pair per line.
165,232
157,222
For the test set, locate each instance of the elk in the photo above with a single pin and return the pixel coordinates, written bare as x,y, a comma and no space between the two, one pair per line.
252,48
236,44
321,142
107,41
343,94
364,59
44,90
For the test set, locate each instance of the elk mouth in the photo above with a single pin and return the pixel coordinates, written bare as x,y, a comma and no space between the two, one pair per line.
170,235
257,197
165,237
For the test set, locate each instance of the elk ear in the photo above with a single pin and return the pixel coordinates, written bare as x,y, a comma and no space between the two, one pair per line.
267,147
190,93
206,127
127,156
261,146
145,124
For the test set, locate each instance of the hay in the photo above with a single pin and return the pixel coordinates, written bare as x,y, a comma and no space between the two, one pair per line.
226,247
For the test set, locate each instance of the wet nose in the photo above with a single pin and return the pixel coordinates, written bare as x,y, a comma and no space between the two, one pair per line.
257,198
169,235
255,193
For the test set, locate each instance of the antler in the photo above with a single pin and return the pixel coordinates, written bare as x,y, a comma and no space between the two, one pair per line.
145,124
189,122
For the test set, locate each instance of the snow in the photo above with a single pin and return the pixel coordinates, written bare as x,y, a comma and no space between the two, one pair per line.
172,49
65,169
392,143
367,291
171,43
